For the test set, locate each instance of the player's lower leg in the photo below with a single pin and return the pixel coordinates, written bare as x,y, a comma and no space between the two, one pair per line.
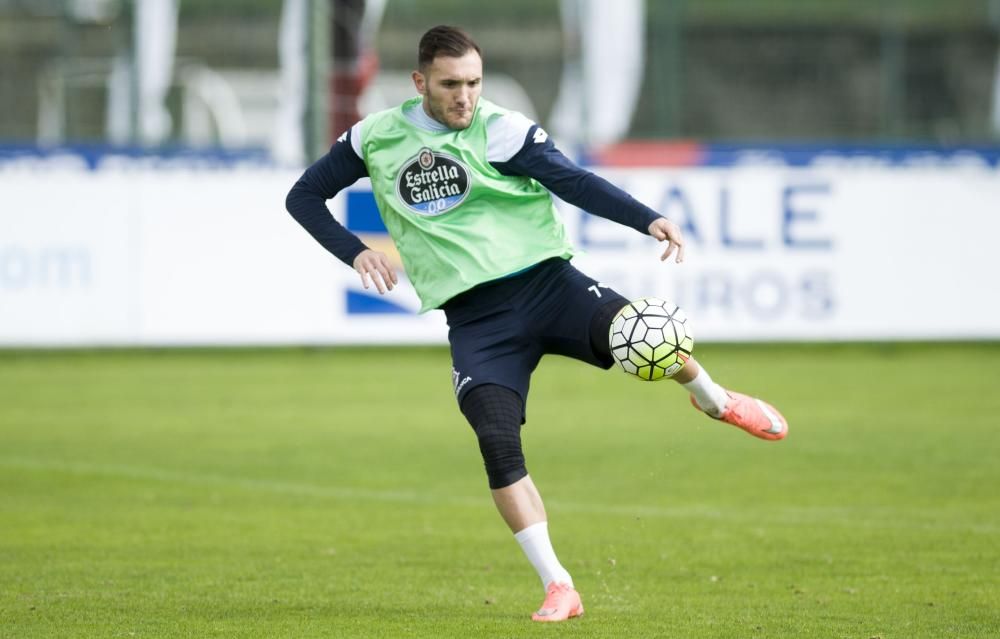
495,412
637,354
709,396
753,415
522,509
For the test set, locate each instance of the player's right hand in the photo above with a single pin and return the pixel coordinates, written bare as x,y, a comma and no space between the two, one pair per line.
666,231
374,266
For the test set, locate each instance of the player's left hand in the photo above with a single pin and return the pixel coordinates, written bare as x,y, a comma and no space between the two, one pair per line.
666,231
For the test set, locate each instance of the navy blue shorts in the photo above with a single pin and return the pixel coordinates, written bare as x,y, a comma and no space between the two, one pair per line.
499,330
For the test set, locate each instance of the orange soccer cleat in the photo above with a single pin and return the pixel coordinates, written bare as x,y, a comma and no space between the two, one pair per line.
561,603
755,416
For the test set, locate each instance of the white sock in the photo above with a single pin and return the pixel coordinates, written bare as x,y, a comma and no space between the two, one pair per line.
535,543
710,396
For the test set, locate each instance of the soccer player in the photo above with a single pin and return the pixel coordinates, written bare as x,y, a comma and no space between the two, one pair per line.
464,188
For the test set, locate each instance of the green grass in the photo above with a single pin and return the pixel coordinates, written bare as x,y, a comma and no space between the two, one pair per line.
339,493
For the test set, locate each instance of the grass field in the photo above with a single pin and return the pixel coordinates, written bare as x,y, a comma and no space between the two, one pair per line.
339,493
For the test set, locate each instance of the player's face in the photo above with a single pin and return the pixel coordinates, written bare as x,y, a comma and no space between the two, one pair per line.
451,88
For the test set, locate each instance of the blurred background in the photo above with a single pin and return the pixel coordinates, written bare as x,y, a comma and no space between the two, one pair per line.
146,147
887,70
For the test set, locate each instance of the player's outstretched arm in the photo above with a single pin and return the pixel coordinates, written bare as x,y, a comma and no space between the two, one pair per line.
374,266
666,231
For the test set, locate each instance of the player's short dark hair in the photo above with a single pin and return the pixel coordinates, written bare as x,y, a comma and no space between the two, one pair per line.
447,41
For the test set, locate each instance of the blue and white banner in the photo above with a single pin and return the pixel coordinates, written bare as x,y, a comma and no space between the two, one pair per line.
142,253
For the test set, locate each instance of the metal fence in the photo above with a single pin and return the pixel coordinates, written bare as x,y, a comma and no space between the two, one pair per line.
916,71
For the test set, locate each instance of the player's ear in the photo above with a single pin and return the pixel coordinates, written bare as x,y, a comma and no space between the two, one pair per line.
420,82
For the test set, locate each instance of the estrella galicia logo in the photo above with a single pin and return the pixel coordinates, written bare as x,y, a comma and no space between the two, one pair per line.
432,183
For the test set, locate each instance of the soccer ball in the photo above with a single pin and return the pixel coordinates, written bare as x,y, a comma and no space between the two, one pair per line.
651,339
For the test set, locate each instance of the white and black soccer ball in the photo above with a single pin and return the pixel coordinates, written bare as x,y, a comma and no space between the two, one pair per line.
651,338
